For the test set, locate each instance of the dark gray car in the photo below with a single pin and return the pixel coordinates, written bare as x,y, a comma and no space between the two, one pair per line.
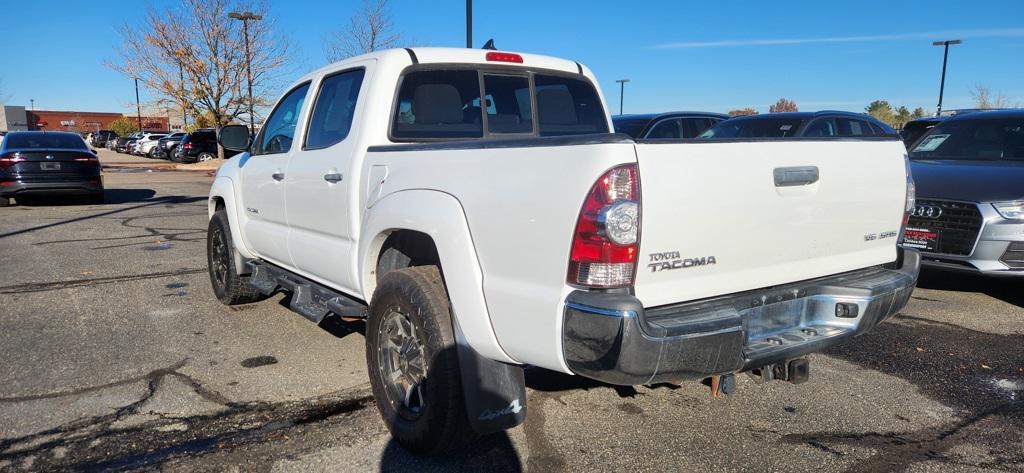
48,163
969,216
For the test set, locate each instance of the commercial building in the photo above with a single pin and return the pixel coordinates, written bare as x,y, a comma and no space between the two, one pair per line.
59,120
12,118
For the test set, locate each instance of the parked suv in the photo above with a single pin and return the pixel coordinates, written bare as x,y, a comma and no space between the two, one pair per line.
144,146
666,125
969,171
100,138
200,145
165,146
822,124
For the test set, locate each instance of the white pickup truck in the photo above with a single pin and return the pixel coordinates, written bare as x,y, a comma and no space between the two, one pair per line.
474,207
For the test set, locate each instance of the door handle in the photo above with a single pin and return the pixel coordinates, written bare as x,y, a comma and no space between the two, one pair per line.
278,176
332,177
795,176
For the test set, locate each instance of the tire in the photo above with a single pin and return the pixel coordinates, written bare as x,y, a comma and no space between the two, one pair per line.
423,407
205,156
175,158
229,287
5,201
152,153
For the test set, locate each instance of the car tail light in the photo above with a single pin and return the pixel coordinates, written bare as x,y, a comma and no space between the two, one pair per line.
9,160
87,159
604,245
186,145
911,198
504,57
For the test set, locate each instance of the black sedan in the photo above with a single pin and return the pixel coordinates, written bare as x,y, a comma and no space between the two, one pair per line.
824,124
48,163
666,125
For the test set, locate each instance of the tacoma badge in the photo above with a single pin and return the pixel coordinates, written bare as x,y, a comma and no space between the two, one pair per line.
672,260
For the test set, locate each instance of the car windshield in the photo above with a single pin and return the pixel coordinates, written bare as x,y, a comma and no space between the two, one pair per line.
976,139
766,127
630,126
44,141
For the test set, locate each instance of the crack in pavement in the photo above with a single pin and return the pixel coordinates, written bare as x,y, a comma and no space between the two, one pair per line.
92,443
898,451
88,282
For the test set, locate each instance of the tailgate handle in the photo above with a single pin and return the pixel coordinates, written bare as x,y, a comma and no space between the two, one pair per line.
795,176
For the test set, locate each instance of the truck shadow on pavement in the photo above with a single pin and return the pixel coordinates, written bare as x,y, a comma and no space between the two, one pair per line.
149,202
110,196
978,374
1005,289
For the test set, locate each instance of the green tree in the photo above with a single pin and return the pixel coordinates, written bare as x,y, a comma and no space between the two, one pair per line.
784,105
917,113
124,126
742,112
901,117
881,110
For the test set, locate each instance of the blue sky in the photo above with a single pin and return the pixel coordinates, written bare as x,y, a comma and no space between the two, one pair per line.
678,55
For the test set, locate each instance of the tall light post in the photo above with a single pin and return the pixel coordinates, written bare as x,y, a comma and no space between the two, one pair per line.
32,103
138,107
622,92
469,24
246,17
945,58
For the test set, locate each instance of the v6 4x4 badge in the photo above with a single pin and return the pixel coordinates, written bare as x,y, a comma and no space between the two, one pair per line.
672,260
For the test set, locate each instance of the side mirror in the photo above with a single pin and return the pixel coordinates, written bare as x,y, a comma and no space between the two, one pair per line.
234,137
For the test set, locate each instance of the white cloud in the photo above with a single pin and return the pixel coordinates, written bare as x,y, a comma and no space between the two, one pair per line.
931,36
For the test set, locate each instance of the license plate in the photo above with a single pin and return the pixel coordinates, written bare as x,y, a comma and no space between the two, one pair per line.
49,166
921,238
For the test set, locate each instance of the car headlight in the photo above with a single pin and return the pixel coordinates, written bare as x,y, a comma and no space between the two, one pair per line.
1010,210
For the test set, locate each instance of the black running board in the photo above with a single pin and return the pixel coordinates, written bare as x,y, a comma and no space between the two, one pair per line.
309,299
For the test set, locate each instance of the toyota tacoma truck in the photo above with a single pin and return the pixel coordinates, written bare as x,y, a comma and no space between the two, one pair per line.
475,208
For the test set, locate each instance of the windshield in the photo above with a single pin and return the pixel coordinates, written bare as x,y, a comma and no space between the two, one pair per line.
982,140
631,127
754,128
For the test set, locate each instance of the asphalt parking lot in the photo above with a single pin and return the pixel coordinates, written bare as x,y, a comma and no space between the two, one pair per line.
117,356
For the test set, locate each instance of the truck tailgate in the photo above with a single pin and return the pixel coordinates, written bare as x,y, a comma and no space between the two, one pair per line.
724,217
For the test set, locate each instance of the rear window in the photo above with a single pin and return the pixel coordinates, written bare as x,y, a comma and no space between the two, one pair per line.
755,128
44,141
455,104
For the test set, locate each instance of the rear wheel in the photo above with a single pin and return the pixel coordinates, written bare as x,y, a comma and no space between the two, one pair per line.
5,201
412,362
203,157
229,287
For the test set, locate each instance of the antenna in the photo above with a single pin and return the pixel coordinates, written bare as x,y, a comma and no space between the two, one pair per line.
490,45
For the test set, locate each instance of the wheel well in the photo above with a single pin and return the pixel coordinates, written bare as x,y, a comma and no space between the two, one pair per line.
215,205
406,248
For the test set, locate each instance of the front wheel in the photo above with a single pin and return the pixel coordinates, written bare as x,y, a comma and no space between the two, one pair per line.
229,287
412,362
204,157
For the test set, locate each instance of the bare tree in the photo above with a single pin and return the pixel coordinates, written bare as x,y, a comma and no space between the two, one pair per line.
984,99
195,56
371,28
783,105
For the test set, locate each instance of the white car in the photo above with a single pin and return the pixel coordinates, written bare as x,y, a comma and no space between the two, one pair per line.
144,146
476,209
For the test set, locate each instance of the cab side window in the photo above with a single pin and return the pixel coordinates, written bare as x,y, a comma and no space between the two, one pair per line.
851,127
279,130
821,127
334,109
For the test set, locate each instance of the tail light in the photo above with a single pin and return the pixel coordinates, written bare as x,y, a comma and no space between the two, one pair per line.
8,160
87,159
604,245
911,198
186,145
504,57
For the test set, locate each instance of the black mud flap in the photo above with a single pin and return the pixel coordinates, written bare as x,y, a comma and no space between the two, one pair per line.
495,392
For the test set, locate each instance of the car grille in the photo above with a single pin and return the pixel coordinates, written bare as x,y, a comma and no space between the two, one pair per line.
1014,255
958,226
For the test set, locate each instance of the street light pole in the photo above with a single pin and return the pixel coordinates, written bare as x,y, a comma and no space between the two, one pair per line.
469,24
945,58
181,82
246,17
138,107
33,104
622,92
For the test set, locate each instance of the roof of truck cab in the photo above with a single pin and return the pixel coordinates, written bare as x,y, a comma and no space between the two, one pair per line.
987,114
451,56
654,116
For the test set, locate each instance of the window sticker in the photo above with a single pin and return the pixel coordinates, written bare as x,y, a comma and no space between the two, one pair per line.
931,143
786,127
